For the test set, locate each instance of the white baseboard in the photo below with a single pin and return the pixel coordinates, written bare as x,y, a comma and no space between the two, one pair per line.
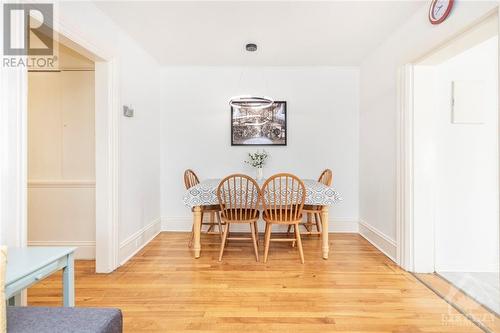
378,239
85,249
184,224
337,225
176,224
344,225
135,242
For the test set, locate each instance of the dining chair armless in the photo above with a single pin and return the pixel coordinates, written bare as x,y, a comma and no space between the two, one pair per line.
238,197
283,197
190,180
314,212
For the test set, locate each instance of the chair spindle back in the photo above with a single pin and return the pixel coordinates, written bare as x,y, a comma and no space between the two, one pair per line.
190,179
283,197
326,177
239,197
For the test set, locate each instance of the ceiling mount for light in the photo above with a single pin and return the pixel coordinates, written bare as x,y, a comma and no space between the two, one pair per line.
249,101
251,47
253,102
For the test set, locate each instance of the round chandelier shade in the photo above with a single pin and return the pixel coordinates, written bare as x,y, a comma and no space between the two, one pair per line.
254,102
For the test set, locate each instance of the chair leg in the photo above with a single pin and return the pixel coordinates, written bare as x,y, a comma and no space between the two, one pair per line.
227,229
219,223
256,226
288,230
299,243
317,218
309,222
267,239
255,248
211,221
293,226
223,242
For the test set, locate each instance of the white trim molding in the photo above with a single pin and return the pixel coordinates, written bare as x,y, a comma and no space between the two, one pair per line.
85,249
344,225
378,239
184,224
135,242
73,183
13,152
107,166
404,169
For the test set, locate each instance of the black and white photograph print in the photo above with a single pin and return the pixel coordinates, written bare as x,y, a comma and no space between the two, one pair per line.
256,126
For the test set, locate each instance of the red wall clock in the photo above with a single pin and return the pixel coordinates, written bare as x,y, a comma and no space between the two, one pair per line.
439,10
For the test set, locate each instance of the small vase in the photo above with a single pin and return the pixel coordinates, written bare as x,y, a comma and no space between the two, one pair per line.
260,173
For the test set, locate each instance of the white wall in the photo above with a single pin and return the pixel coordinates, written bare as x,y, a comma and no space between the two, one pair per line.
379,107
139,166
466,218
137,74
322,107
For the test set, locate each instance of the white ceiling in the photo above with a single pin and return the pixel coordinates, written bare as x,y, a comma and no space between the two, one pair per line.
288,33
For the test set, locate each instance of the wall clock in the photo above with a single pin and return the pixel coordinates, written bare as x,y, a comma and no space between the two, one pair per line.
439,10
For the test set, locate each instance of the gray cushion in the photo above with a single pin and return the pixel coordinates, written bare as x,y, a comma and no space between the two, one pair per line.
63,320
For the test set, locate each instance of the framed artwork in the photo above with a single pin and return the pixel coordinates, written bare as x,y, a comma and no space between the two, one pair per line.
256,126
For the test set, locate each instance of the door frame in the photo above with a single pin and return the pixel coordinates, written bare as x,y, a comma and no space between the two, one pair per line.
107,144
14,156
404,170
410,237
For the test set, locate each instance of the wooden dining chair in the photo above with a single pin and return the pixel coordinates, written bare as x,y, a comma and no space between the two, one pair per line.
239,202
190,180
314,212
283,196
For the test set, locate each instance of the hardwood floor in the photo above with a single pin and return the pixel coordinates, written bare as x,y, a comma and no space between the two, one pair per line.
163,289
467,304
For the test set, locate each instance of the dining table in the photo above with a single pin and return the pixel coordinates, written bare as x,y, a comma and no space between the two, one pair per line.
205,194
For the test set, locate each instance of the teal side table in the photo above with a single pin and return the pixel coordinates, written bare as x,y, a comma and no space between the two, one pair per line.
27,266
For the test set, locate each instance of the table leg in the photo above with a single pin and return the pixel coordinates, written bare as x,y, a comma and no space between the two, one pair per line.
324,231
69,282
197,230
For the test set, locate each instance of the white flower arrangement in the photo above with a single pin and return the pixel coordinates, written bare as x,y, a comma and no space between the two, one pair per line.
257,160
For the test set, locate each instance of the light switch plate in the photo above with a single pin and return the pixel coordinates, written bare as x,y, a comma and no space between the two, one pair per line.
128,111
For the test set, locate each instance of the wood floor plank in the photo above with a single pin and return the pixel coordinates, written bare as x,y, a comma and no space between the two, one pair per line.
163,289
469,305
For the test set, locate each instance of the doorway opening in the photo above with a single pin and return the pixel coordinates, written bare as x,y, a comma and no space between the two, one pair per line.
449,171
105,145
61,155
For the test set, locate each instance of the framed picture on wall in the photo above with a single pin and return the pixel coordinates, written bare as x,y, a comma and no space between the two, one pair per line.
255,126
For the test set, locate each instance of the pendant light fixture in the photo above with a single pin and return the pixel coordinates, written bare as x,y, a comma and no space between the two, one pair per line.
249,101
254,102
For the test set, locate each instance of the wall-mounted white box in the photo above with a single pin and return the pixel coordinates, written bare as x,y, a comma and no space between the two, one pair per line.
467,102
